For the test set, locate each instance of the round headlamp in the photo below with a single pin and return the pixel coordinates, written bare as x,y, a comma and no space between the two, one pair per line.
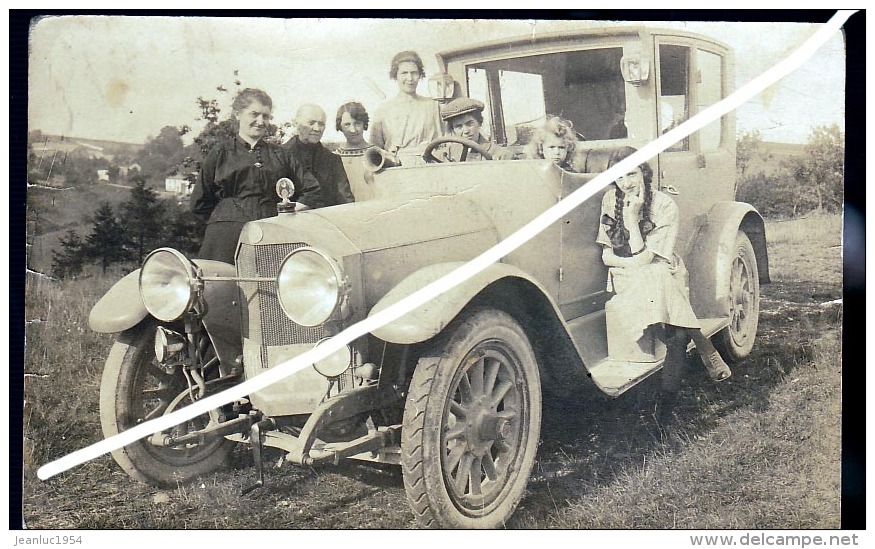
336,363
167,343
168,284
308,286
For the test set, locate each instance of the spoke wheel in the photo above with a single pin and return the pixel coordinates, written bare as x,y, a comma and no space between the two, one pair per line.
471,424
736,340
134,390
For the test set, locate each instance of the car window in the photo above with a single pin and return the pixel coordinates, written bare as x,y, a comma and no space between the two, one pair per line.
523,103
583,86
478,88
709,91
674,95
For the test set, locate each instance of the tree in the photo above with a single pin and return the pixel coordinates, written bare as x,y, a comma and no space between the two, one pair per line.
811,181
168,144
212,134
825,171
73,176
749,146
819,174
214,130
106,243
143,222
68,262
161,154
775,196
184,231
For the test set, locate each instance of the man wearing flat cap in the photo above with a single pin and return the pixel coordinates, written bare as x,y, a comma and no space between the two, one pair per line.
464,117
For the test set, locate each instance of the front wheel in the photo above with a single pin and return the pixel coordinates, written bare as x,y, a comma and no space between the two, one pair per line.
471,424
736,340
134,390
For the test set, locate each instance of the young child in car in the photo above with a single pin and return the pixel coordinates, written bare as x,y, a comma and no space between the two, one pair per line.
555,141
638,230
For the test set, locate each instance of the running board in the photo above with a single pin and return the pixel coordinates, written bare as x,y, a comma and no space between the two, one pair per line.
615,377
711,326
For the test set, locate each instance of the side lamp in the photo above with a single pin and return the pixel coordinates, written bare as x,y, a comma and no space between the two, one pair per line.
441,86
635,68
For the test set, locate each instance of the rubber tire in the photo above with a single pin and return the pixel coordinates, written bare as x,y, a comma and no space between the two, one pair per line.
736,341
435,381
133,351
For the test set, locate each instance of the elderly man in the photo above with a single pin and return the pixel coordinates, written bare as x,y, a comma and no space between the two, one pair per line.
326,167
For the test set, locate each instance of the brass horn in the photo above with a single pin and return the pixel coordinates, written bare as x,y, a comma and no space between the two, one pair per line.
376,159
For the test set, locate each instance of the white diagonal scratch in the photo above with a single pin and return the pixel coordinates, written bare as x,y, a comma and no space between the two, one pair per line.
438,287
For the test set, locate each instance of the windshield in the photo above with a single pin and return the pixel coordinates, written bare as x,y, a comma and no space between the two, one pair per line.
584,86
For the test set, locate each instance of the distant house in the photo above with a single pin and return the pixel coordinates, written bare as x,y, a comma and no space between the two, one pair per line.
103,176
177,185
124,171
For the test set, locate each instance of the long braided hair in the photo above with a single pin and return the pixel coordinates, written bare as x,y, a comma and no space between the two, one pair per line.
616,231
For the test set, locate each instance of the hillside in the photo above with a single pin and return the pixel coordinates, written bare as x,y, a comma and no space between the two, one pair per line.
769,162
58,210
52,212
68,143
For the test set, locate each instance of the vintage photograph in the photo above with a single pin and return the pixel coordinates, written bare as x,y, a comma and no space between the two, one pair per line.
212,198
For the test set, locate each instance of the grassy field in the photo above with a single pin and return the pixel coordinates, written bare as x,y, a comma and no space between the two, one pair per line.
771,155
761,450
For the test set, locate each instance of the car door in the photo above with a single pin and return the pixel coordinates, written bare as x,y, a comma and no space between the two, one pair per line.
582,273
700,169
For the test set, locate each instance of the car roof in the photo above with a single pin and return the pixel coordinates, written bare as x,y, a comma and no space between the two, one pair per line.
567,37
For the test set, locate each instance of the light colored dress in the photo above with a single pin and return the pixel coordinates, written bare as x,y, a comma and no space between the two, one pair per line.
352,158
404,123
654,293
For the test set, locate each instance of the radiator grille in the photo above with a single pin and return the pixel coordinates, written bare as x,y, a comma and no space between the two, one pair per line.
264,319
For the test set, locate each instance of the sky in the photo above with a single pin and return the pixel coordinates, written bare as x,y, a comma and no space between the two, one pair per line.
125,78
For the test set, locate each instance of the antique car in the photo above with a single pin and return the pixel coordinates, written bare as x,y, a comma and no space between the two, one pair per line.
452,391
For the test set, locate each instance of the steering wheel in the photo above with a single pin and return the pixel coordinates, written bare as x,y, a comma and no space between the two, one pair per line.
467,145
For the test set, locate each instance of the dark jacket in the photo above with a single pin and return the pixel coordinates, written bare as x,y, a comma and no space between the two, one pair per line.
238,182
326,167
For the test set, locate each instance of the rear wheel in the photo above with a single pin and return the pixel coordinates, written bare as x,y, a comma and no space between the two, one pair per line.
736,340
471,424
134,389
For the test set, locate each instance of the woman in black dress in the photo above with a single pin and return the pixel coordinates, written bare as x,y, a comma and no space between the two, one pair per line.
237,180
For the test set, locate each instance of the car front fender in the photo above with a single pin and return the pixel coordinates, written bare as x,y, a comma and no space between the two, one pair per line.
122,308
429,319
712,253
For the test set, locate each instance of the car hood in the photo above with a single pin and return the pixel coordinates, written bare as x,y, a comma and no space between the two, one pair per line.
386,223
375,224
